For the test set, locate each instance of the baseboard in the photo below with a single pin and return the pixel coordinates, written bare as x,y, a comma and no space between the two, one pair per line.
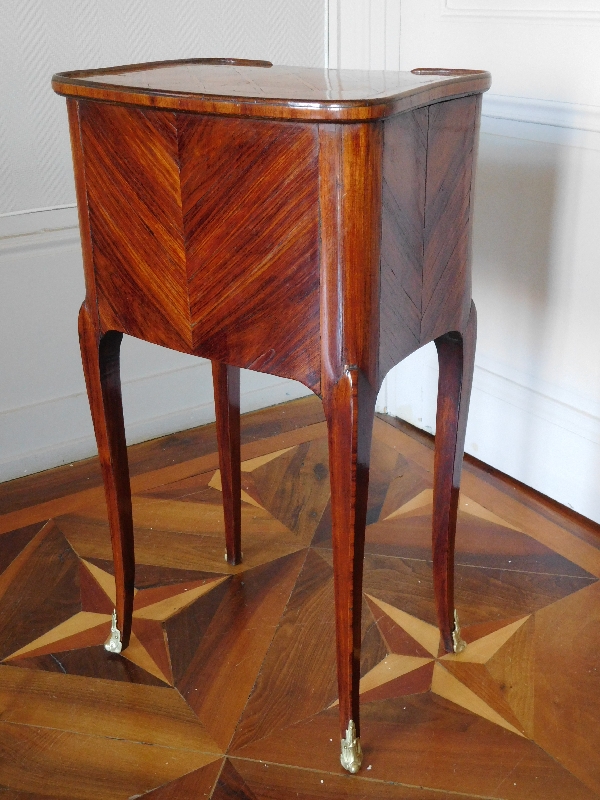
62,428
163,391
538,439
38,221
515,12
532,431
541,112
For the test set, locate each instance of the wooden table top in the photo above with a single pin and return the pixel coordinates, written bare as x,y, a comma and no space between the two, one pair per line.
236,87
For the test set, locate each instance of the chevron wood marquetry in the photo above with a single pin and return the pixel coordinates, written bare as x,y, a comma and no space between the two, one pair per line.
228,688
426,289
140,267
273,176
312,224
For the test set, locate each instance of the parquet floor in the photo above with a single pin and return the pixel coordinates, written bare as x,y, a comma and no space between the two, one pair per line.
228,689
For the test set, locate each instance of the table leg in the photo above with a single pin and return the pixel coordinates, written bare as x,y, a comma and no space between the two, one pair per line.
100,357
226,383
456,355
349,409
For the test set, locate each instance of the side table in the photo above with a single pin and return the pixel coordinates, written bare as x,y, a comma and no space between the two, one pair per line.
312,224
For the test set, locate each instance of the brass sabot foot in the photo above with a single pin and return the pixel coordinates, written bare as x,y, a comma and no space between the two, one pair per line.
351,755
458,643
113,643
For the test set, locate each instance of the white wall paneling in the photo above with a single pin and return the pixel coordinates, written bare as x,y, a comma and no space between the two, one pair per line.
571,117
535,409
581,10
44,418
364,34
535,412
44,414
545,51
38,38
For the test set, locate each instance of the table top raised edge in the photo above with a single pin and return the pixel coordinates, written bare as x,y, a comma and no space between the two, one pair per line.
407,90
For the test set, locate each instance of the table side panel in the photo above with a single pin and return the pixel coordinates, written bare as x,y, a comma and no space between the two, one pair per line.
452,139
402,222
132,180
250,194
428,164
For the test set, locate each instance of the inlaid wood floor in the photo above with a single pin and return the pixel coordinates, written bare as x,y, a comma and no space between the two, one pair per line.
228,689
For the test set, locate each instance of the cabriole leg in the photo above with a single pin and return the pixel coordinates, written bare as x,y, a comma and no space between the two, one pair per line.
456,355
226,383
349,410
100,357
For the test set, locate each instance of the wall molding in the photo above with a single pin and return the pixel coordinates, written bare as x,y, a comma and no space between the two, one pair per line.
533,427
542,11
160,396
332,34
513,424
71,414
38,38
41,240
578,416
363,34
38,220
542,112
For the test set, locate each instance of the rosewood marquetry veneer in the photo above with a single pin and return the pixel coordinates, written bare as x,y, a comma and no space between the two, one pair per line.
312,224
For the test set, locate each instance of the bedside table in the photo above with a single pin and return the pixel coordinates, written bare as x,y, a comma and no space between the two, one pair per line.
312,224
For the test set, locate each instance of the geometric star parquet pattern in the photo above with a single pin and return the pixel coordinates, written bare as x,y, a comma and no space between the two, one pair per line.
228,687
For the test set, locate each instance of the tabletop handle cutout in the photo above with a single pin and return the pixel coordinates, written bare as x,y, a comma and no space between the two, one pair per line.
233,62
445,71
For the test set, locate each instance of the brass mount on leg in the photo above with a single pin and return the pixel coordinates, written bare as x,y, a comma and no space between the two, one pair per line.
351,755
113,644
458,643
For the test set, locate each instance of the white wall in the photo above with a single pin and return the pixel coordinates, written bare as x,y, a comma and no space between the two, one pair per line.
44,417
535,410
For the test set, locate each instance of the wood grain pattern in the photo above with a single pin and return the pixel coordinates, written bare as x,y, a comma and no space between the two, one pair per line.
565,710
456,355
132,173
350,214
274,782
179,175
402,222
251,214
101,708
428,175
243,628
226,382
28,569
296,651
195,785
27,753
451,142
474,756
73,112
306,467
260,646
101,365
